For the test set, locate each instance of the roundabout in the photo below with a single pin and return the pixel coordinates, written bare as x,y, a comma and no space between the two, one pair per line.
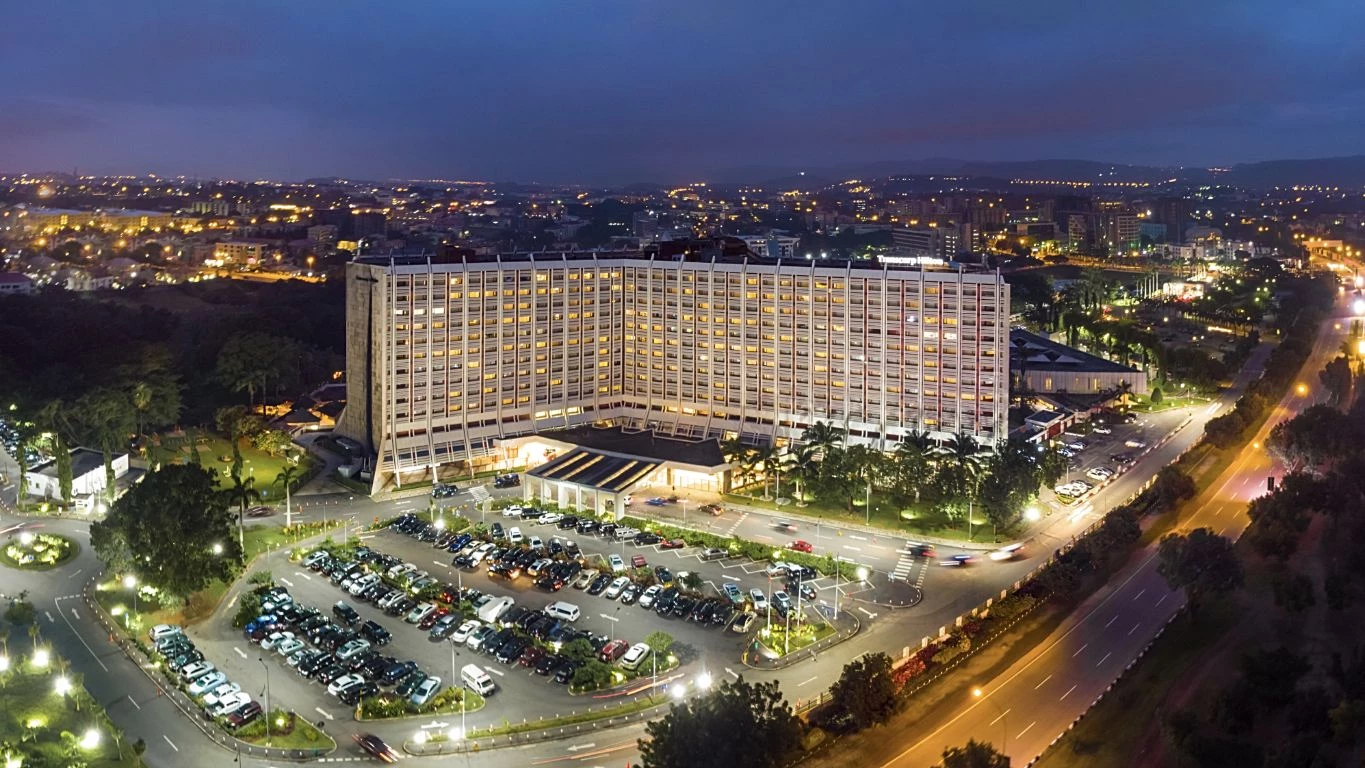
31,551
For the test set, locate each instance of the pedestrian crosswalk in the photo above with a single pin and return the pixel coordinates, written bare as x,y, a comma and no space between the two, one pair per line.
735,526
904,566
479,493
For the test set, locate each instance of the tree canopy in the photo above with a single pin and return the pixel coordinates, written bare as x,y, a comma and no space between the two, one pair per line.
1201,561
865,694
976,754
738,723
165,530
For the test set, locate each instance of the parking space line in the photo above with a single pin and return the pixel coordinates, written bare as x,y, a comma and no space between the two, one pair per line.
172,743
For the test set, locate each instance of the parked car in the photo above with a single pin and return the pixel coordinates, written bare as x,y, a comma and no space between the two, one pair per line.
426,689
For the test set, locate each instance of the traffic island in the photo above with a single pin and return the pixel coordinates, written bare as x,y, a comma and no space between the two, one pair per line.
29,551
391,706
773,647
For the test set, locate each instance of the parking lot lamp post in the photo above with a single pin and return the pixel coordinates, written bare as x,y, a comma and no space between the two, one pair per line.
684,507
266,667
770,601
130,581
836,587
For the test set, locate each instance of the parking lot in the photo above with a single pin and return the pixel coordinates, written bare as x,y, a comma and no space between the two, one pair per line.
1104,449
521,691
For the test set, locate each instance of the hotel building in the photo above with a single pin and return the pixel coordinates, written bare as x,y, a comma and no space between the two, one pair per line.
449,359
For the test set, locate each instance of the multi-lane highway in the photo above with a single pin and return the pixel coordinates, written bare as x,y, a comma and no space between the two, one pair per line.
1028,705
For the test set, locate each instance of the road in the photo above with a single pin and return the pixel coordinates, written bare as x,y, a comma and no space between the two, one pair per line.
1023,709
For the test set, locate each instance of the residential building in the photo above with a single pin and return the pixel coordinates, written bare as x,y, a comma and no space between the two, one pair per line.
1040,365
448,357
15,283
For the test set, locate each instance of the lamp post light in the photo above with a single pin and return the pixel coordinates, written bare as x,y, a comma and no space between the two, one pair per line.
266,667
130,582
977,693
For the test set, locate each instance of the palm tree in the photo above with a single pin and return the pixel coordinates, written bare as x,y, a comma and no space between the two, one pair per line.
802,467
823,436
141,395
54,417
107,416
288,474
241,493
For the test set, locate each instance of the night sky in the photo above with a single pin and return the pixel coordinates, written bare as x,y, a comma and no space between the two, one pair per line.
637,90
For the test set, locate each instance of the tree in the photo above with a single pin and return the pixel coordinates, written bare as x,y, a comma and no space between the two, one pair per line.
591,675
1336,377
976,754
865,694
1201,562
659,642
166,529
802,468
823,436
106,416
1173,486
241,494
288,474
274,442
1156,396
738,723
254,362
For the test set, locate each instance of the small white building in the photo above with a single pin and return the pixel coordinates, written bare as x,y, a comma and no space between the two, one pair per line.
87,474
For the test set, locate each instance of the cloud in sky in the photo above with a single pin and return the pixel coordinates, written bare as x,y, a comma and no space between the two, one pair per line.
622,90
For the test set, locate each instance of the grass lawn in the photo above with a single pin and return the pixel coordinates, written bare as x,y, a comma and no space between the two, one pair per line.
883,515
287,731
37,553
216,454
41,727
1168,403
774,637
586,716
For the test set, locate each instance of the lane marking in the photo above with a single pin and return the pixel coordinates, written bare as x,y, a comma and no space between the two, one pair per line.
48,614
1001,716
1106,658
324,713
497,672
77,573
1068,693
239,651
1139,594
1111,621
287,582
75,615
577,747
1078,650
133,701
172,743
79,637
1134,629
857,537
1163,599
803,682
732,673
1026,730
304,575
1040,685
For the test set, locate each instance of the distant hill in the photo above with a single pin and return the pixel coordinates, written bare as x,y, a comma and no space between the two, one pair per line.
1331,171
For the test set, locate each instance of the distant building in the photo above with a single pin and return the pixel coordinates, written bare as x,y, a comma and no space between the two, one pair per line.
773,246
1041,365
15,284
1118,232
217,207
1174,214
239,252
936,242
87,474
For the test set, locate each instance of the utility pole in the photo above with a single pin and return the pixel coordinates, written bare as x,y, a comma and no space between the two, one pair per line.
266,667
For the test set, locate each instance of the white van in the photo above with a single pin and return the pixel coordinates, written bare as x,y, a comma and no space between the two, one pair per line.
493,610
562,610
477,679
635,656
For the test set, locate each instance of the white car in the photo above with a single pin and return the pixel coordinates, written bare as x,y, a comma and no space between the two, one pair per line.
1103,430
615,587
215,696
1135,444
421,611
275,638
425,690
464,631
314,558
196,670
164,630
648,596
207,683
760,600
535,543
363,584
391,599
230,703
1007,552
550,519
778,568
1076,445
1100,473
512,511
343,681
514,535
400,569
289,645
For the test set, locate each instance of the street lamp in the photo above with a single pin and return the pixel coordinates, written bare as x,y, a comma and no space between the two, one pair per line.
977,693
130,582
62,686
678,691
266,667
217,548
862,575
704,680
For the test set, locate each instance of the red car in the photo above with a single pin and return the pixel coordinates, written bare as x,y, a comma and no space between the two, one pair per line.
431,620
638,561
673,544
801,546
376,746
